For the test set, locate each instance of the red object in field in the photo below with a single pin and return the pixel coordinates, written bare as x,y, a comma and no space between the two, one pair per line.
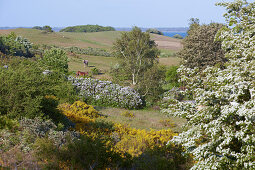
80,73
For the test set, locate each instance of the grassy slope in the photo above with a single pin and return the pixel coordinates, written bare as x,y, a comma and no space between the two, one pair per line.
95,39
144,119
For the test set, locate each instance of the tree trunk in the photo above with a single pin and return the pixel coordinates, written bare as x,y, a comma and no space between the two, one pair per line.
133,78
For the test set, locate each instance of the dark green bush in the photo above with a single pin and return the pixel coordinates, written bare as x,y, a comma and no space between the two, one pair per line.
164,158
84,153
45,28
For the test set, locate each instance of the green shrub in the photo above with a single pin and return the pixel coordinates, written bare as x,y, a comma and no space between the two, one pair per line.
45,28
172,77
55,60
15,46
150,84
7,123
163,158
85,153
95,71
23,87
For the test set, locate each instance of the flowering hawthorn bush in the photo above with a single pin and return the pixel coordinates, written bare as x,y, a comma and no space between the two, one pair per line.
220,132
107,93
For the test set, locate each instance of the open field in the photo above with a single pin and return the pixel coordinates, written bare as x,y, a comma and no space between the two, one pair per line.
83,40
104,40
104,64
143,119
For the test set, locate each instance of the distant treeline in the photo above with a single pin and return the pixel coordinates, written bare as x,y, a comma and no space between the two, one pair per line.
87,28
44,28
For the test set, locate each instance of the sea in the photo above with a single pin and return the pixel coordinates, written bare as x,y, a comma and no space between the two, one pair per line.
171,34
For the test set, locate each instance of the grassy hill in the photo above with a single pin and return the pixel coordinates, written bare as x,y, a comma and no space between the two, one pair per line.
103,40
83,40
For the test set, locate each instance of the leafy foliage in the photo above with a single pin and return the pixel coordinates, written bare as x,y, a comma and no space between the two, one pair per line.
55,59
150,84
172,76
83,153
137,51
220,129
15,46
23,87
45,28
87,28
200,48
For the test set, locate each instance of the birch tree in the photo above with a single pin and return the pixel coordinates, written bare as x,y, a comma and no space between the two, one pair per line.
137,53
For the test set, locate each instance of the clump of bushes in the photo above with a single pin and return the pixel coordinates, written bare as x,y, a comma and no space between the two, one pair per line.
18,143
89,51
23,88
172,77
87,28
14,45
178,36
45,28
154,31
107,93
95,71
55,59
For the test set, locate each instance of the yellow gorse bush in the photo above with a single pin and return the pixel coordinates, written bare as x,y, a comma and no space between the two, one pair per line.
79,113
122,138
128,114
135,141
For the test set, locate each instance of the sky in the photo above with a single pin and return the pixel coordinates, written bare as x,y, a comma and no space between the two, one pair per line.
116,13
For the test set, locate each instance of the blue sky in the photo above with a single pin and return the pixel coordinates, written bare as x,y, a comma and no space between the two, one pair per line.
117,13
